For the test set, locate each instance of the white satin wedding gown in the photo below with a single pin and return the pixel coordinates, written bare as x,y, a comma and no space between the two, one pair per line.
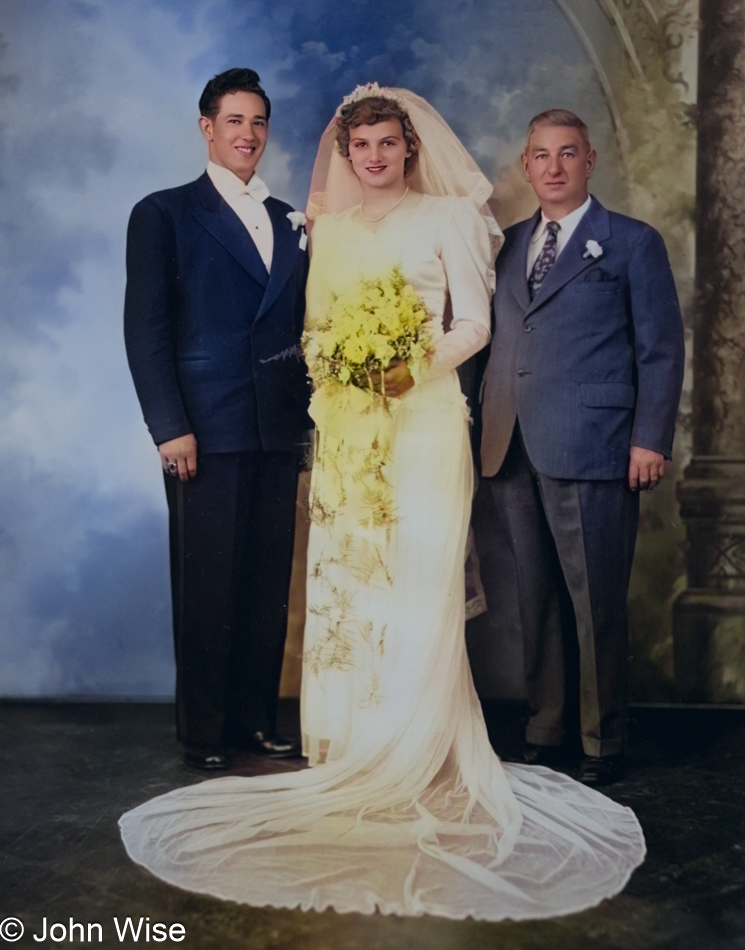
411,812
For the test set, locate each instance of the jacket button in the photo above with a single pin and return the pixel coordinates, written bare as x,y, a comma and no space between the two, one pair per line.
527,329
521,372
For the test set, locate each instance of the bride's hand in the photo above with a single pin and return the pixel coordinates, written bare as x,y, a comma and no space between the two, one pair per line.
398,379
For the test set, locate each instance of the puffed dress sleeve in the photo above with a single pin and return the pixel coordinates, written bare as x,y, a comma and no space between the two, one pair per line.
467,260
318,293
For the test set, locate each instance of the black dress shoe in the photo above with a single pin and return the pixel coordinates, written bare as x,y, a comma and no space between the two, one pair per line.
273,746
597,771
548,755
209,760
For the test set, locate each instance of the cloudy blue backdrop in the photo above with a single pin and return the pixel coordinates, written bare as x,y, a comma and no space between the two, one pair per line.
98,108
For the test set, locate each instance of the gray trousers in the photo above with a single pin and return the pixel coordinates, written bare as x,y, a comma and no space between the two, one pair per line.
573,545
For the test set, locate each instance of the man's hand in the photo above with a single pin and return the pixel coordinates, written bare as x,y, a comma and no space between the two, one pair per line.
182,451
397,379
646,468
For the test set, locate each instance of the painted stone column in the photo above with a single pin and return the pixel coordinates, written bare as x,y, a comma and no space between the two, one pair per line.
709,617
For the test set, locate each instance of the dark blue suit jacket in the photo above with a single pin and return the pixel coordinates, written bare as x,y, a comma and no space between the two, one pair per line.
212,338
594,364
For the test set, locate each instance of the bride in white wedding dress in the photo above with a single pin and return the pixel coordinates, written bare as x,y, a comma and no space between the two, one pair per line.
406,810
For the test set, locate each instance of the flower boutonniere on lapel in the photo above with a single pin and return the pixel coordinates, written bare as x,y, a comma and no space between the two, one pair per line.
298,220
593,249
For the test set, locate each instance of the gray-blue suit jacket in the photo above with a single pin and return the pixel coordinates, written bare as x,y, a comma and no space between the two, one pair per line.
594,364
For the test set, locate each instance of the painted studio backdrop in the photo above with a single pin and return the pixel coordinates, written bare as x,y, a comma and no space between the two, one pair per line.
99,105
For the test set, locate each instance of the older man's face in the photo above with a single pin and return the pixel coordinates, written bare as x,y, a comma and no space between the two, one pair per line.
557,162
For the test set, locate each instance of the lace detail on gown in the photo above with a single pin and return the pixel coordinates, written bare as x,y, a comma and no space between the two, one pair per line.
411,812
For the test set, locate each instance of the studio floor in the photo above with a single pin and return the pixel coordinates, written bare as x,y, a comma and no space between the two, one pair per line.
69,770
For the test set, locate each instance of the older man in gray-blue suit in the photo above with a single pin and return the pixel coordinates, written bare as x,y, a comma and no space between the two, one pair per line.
579,405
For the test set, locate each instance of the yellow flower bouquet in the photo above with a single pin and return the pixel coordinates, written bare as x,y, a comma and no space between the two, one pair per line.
365,330
347,353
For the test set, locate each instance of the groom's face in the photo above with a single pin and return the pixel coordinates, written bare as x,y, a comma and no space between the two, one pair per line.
558,162
236,137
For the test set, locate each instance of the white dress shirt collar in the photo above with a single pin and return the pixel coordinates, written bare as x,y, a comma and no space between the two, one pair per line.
567,227
567,224
229,184
247,201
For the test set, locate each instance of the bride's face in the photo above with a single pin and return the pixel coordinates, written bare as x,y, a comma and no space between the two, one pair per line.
378,152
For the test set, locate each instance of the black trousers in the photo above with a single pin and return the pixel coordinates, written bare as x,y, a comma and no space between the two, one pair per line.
232,529
573,545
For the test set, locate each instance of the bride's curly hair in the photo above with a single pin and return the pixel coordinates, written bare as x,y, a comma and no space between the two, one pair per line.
369,111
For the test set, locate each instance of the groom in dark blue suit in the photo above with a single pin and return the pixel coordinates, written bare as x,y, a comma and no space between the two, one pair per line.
214,311
579,406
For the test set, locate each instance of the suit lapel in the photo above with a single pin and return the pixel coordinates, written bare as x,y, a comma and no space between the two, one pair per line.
595,225
224,225
284,256
516,272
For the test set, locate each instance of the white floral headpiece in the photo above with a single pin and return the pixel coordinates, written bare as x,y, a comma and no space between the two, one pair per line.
364,92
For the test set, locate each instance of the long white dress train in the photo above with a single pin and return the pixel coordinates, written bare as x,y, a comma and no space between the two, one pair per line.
411,812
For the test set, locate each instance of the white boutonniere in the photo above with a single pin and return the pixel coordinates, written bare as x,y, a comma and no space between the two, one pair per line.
593,249
298,220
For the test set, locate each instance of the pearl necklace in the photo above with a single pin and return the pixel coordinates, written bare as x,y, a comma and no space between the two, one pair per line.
381,216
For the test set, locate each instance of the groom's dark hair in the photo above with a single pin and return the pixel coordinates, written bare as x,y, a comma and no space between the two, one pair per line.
232,80
561,117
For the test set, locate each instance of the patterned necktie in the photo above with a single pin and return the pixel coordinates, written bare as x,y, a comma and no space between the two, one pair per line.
545,260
